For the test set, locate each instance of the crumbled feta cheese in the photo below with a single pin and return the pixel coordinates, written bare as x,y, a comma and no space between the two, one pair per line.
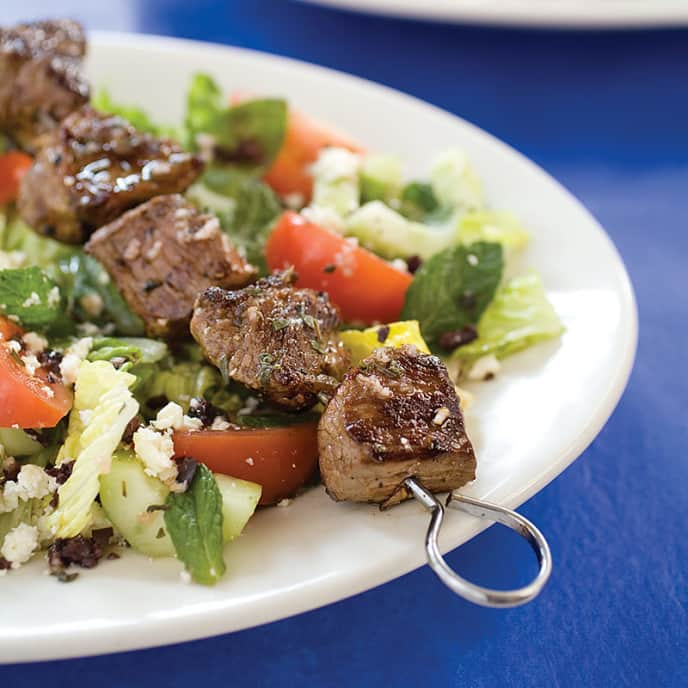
31,483
172,417
71,361
472,259
294,200
284,502
336,163
220,423
92,303
249,460
34,342
33,300
169,416
54,297
156,451
19,544
14,345
441,415
31,363
485,368
324,217
399,264
185,576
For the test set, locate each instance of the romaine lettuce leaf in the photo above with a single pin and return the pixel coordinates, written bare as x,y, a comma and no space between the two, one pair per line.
103,406
518,317
492,225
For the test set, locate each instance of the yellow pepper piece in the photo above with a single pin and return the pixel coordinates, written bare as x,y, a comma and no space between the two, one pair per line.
362,343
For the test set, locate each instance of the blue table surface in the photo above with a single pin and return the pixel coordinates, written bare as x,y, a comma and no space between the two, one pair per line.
607,114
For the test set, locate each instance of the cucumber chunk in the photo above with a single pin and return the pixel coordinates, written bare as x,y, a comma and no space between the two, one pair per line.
239,501
126,492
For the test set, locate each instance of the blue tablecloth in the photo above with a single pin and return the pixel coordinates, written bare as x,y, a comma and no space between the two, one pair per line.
606,114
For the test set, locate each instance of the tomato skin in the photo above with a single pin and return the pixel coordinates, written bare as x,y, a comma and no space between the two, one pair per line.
281,460
366,288
13,166
27,401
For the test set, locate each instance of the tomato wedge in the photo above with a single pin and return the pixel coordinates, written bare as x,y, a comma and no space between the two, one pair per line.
13,166
27,401
279,459
366,288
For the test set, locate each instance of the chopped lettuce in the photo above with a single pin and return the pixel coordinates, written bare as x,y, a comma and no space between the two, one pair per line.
495,226
455,183
453,288
391,235
136,116
103,406
380,178
248,135
519,316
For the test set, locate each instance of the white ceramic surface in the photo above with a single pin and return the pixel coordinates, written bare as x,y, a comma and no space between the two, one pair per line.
527,425
591,14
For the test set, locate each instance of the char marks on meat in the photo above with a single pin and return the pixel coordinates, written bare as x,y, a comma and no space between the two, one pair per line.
273,338
94,167
394,416
161,255
40,78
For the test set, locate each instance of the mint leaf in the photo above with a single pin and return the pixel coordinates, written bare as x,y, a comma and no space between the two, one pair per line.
453,288
248,135
31,296
194,522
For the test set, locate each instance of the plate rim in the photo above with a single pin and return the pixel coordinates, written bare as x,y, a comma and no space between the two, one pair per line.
155,632
520,14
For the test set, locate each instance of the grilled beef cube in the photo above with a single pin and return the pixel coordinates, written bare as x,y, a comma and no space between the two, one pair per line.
161,255
394,416
94,167
273,338
40,77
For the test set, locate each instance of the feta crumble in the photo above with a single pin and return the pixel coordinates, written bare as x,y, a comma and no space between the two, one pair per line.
336,163
156,450
221,423
172,417
54,297
33,300
32,483
19,544
71,361
34,342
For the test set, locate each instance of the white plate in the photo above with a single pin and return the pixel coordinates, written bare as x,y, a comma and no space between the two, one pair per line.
527,425
562,13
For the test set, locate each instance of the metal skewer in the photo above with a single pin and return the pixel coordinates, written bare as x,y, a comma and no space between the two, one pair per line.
485,597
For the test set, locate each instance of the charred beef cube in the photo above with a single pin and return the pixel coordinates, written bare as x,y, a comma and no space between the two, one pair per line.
273,338
40,77
394,416
94,167
161,255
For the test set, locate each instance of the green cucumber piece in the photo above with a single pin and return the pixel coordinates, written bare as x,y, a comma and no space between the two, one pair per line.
239,501
126,493
18,443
